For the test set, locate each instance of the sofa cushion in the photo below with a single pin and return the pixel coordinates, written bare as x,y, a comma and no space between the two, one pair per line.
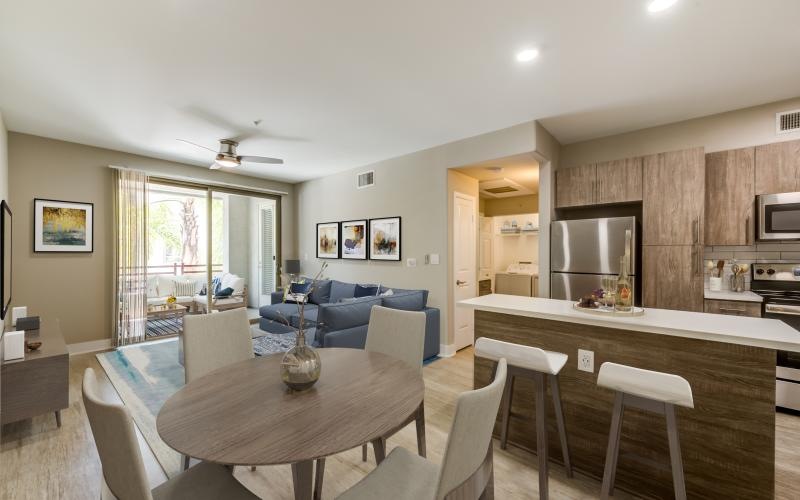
166,286
282,313
229,280
412,300
310,313
341,290
152,286
366,290
321,293
225,292
301,288
341,315
397,291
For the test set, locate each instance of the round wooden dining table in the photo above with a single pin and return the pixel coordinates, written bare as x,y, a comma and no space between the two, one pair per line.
243,414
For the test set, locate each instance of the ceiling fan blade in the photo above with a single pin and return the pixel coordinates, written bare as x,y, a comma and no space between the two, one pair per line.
197,145
215,166
261,159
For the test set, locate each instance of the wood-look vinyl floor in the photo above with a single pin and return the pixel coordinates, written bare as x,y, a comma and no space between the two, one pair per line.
39,461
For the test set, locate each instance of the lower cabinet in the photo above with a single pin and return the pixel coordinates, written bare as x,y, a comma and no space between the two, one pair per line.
733,307
672,277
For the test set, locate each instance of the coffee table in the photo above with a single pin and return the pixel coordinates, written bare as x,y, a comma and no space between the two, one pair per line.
166,311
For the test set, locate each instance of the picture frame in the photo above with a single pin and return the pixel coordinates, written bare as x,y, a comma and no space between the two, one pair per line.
62,226
328,237
354,239
385,239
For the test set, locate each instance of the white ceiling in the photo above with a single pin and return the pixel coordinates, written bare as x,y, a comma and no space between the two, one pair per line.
340,84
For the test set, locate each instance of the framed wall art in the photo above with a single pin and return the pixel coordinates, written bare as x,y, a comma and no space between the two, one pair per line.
328,240
384,238
354,239
63,226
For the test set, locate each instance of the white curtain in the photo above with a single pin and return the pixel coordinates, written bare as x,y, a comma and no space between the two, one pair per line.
130,256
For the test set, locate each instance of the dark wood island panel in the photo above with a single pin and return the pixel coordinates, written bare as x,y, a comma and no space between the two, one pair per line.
727,440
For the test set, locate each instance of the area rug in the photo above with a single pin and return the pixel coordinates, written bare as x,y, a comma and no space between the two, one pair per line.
157,327
145,375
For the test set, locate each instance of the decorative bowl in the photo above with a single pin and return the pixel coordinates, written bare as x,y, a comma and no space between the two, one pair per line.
33,345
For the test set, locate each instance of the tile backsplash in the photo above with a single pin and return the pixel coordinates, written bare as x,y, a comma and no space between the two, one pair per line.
749,254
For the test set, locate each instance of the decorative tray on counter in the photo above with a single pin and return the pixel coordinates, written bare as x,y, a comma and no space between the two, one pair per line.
605,311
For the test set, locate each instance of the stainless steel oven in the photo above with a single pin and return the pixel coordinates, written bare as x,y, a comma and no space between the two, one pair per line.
779,216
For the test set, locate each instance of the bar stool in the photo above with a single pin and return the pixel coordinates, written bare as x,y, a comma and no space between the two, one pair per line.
538,365
651,391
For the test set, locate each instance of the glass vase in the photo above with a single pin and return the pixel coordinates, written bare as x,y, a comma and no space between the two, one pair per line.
301,365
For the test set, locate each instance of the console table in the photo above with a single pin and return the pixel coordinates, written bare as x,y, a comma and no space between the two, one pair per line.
39,382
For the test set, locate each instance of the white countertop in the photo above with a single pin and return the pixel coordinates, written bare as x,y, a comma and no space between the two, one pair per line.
756,332
745,296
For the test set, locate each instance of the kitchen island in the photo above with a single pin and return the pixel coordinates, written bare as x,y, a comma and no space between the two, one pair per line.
727,439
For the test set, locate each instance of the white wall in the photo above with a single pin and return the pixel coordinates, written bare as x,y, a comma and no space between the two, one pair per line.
414,187
3,175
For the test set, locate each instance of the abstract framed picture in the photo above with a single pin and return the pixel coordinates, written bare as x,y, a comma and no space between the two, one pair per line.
384,238
63,226
354,239
328,240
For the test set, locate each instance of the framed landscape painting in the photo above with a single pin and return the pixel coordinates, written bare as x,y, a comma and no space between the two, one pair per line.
328,240
384,238
354,239
63,226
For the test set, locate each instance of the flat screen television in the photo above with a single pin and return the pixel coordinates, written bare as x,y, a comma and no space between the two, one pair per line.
5,258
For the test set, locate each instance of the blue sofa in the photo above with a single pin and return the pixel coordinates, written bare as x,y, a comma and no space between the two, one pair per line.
339,319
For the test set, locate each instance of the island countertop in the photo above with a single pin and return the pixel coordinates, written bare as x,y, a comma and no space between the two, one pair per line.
755,332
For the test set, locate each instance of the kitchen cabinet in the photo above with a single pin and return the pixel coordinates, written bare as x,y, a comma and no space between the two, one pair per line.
733,307
575,186
730,195
672,277
778,167
619,181
673,197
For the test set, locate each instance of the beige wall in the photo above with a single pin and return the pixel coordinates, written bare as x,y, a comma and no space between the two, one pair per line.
528,204
413,186
3,184
731,130
76,288
458,183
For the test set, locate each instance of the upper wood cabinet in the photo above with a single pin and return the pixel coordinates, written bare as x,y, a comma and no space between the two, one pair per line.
575,186
730,195
673,197
619,181
673,277
778,167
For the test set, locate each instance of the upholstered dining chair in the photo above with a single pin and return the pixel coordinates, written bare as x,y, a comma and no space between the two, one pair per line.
124,476
467,468
211,341
400,334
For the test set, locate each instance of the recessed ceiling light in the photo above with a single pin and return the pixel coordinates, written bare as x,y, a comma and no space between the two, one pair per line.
527,55
659,5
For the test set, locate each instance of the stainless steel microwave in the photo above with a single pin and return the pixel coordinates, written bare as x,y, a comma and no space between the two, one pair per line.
779,216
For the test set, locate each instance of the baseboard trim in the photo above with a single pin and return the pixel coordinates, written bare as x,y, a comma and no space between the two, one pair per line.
447,350
90,346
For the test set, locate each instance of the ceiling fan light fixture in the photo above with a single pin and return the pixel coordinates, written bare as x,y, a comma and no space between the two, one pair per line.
227,161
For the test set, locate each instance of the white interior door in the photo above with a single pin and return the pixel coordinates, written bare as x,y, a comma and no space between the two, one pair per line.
464,268
266,256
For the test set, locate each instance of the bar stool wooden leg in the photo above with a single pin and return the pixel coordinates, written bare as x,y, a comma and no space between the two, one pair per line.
319,474
379,447
364,453
675,459
508,394
186,462
420,421
562,432
613,447
541,434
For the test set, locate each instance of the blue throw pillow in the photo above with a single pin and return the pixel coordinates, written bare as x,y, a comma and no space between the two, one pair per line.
225,292
299,287
366,291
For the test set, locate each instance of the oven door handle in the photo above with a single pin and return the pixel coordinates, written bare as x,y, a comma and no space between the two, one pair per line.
782,309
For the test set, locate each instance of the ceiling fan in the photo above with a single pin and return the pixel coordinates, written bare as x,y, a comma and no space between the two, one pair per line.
227,157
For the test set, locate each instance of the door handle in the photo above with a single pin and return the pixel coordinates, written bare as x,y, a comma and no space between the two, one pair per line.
460,283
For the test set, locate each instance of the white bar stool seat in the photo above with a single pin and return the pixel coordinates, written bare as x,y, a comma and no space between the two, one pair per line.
522,356
651,391
538,365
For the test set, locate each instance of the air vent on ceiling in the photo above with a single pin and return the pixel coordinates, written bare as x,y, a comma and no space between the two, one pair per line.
787,121
502,189
365,179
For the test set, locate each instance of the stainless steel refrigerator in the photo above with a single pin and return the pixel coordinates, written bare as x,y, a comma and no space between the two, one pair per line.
583,251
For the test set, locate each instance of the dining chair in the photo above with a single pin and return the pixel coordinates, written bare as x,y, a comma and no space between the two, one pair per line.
466,470
211,341
400,334
123,473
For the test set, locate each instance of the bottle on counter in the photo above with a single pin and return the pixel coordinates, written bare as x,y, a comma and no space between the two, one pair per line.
624,295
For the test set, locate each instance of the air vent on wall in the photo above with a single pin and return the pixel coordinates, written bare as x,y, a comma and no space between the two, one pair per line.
365,179
787,121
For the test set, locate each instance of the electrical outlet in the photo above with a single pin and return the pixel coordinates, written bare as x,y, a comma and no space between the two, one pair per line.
586,361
